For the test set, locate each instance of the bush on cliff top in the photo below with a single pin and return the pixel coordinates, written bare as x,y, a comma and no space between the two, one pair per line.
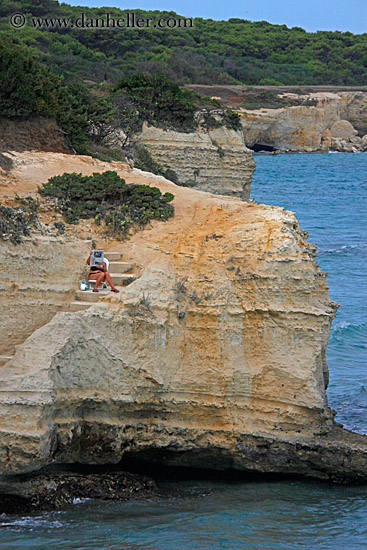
160,101
163,103
28,88
106,197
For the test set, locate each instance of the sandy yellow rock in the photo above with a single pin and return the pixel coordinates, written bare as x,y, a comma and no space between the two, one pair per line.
39,279
343,129
303,127
216,161
214,357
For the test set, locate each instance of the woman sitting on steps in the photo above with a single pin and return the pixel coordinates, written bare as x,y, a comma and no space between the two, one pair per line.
99,275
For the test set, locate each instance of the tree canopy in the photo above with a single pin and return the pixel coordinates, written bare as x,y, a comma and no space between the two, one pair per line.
211,52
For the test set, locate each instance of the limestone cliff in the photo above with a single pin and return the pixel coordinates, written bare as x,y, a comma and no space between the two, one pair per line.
353,107
310,128
216,161
214,357
304,119
39,280
291,128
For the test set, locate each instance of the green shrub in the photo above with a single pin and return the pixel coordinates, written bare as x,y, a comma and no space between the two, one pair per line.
267,99
13,224
171,175
30,207
270,82
160,101
231,119
28,88
210,122
60,226
143,160
234,51
106,197
223,117
163,103
16,221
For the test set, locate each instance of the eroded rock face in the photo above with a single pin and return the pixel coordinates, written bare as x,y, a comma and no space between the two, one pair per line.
353,107
343,129
214,357
40,278
291,128
307,128
221,340
38,132
216,161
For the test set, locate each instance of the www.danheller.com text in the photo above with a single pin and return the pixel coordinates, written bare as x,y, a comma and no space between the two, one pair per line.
129,20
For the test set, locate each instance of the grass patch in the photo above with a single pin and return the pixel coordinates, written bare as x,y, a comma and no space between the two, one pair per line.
269,99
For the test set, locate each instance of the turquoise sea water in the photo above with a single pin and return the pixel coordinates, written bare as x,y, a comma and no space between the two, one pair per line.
329,194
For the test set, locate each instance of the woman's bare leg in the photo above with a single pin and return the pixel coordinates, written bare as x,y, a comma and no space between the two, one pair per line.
109,280
99,277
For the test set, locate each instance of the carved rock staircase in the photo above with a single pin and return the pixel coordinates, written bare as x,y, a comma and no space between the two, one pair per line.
121,275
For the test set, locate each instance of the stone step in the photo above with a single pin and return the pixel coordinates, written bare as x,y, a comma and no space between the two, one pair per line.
119,267
79,305
90,296
5,358
112,256
102,286
122,278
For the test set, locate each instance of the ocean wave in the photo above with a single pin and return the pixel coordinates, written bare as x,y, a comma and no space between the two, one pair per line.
349,335
31,523
80,500
346,326
351,410
344,249
361,397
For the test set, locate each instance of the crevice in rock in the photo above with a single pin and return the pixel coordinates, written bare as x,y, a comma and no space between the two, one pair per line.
144,464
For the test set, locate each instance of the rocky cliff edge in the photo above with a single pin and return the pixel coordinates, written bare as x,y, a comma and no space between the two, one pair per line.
215,160
214,357
333,122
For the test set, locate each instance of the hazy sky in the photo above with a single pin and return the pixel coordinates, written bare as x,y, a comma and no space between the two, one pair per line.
312,15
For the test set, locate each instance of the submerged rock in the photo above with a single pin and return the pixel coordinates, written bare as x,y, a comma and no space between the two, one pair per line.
49,491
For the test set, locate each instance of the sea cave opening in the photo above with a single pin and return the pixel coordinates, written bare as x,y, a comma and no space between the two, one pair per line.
261,147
